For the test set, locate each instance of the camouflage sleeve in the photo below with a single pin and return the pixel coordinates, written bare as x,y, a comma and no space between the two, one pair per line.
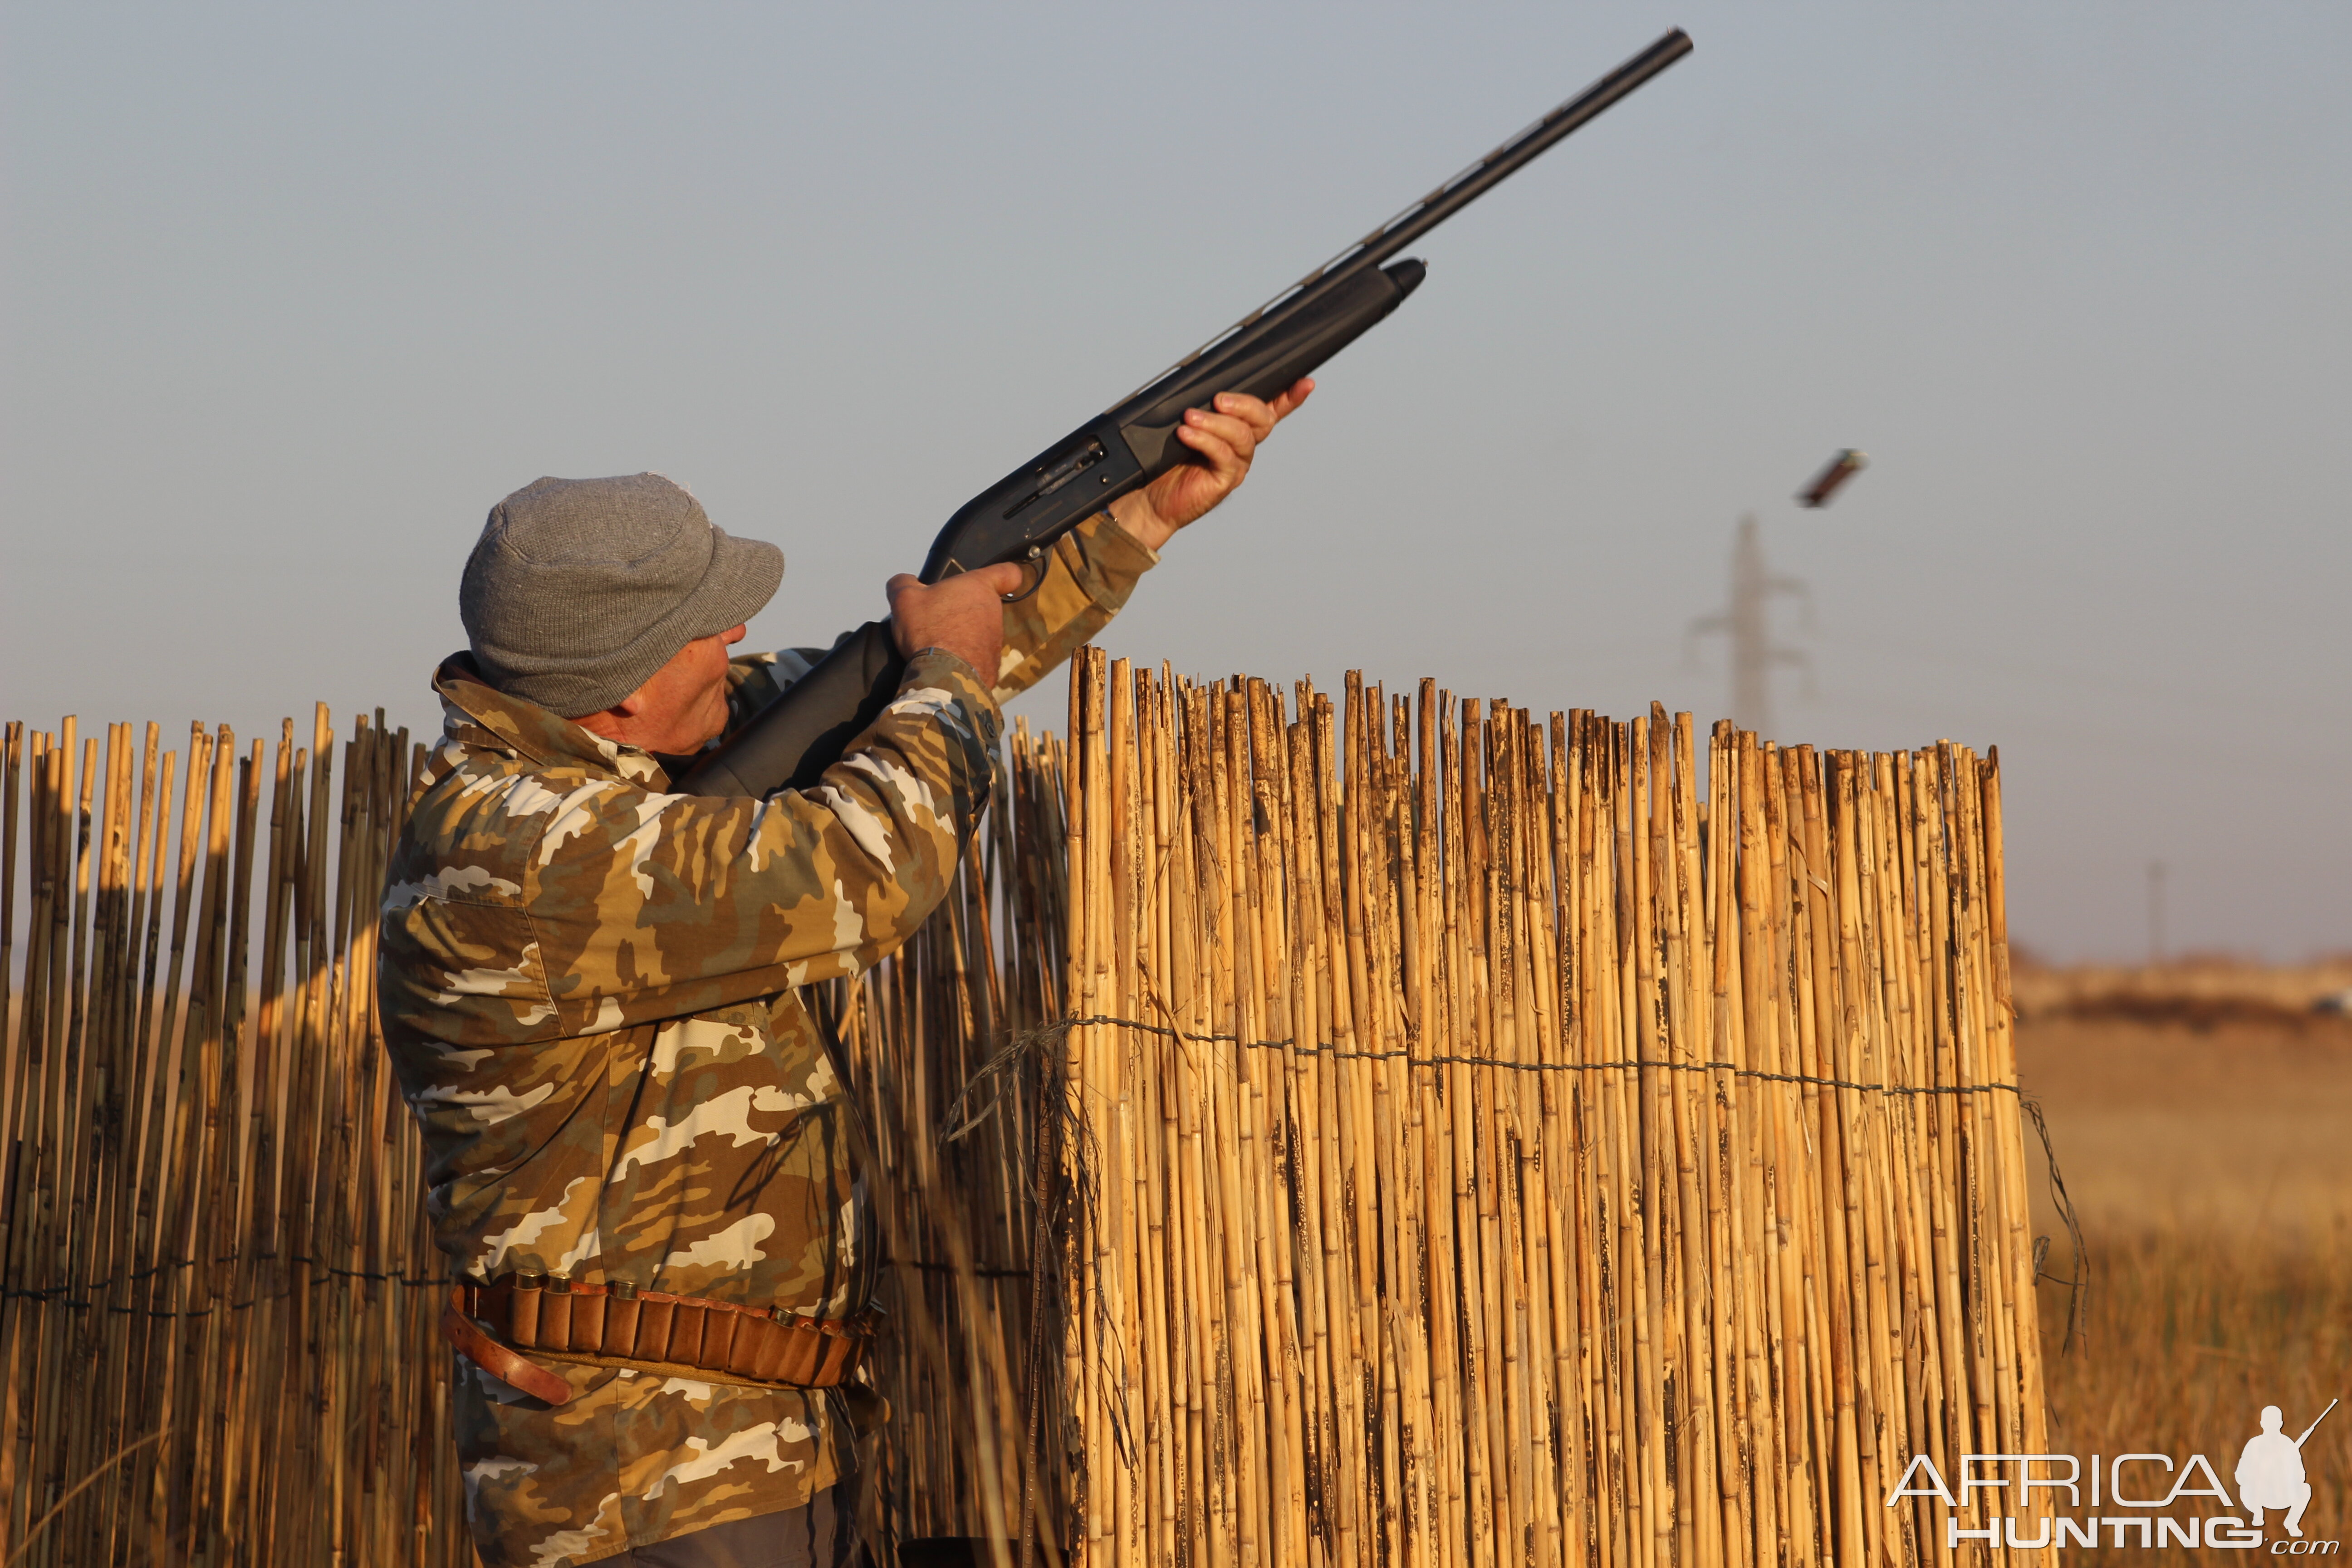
1088,576
645,905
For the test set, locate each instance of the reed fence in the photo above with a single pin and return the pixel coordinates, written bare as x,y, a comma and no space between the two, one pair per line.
216,1317
1494,1150
1440,1139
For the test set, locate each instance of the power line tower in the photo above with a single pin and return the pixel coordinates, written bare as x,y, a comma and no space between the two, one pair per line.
1746,622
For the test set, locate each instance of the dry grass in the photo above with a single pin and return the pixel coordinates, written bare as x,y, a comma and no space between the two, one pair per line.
2190,1336
2209,1167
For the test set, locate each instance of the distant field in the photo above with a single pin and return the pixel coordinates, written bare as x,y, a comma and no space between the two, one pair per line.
2208,1147
2191,987
2241,1129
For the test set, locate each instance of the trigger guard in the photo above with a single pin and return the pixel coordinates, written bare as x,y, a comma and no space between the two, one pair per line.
1032,577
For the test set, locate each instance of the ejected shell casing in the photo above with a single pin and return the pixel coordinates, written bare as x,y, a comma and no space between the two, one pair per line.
1842,468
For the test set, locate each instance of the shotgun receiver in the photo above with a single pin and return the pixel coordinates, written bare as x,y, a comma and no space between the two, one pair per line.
790,743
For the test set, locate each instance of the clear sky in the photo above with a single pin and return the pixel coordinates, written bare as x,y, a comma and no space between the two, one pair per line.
292,295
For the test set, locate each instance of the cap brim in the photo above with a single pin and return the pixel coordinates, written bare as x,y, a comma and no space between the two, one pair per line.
743,576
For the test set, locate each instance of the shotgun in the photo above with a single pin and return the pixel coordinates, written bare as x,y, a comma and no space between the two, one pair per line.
790,743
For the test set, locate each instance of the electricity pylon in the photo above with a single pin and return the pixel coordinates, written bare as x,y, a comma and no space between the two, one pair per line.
1747,621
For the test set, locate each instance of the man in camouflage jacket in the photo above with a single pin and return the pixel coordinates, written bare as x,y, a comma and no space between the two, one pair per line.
588,983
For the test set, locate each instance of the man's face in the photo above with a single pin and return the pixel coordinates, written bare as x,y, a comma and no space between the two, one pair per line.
683,705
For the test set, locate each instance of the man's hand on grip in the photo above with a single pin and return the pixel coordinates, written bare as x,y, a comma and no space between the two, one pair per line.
964,614
1225,439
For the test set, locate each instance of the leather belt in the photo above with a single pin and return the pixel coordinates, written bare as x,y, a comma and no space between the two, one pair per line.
618,1325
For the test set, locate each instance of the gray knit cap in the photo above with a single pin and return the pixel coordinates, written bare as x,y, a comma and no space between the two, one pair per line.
579,589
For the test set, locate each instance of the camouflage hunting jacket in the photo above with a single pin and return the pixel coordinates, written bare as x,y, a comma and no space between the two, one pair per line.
587,985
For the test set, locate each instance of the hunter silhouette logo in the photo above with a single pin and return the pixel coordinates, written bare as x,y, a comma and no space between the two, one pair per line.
2150,1493
2270,1472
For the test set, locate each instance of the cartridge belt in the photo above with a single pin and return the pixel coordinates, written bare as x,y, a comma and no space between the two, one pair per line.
618,1325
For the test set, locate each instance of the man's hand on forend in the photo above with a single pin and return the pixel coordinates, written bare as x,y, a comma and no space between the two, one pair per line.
1226,438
